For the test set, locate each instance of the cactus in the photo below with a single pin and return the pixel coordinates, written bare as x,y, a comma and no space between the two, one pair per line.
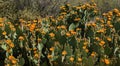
79,36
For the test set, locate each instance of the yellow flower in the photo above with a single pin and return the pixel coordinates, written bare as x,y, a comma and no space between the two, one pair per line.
97,18
34,21
108,22
32,27
1,19
77,19
85,43
78,29
87,50
1,25
58,27
8,41
52,49
39,39
8,65
93,24
78,7
111,26
107,61
11,45
102,21
63,26
73,32
62,7
109,18
14,61
109,39
71,59
84,47
116,10
93,54
63,13
97,38
118,14
51,34
88,24
110,13
11,57
104,14
49,56
21,38
21,20
95,11
68,4
79,59
68,34
102,43
101,30
61,17
64,52
43,32
36,55
4,33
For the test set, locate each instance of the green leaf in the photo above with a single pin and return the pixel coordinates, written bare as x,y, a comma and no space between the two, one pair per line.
44,64
117,26
0,31
21,61
40,46
73,42
88,61
44,40
7,29
107,50
60,38
90,33
4,46
72,26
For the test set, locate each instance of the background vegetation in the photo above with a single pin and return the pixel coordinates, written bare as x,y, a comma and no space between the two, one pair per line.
31,9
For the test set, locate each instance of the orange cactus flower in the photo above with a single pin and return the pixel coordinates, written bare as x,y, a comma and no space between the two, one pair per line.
49,56
1,25
11,57
102,43
51,34
63,26
21,38
52,49
109,39
64,52
36,55
116,10
87,50
32,27
39,39
14,61
84,47
79,59
68,34
77,19
4,33
11,45
1,19
93,54
107,61
97,38
71,59
8,41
